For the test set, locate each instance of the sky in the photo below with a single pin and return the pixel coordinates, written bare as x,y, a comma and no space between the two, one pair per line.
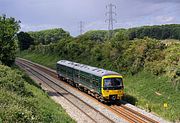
37,15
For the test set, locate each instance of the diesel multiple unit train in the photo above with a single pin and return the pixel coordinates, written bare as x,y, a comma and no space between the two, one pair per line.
102,84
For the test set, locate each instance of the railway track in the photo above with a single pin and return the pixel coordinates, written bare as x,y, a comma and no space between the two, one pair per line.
147,119
120,109
88,110
131,115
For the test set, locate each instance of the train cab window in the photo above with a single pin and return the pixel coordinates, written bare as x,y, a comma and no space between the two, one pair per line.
113,83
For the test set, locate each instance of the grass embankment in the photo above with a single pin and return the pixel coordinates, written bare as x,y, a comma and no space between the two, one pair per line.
144,89
46,60
151,92
22,101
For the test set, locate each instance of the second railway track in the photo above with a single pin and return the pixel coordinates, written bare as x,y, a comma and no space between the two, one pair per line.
121,110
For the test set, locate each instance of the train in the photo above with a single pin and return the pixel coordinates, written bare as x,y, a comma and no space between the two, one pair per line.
102,84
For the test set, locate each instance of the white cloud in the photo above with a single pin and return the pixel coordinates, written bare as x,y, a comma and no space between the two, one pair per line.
165,19
96,25
30,27
44,14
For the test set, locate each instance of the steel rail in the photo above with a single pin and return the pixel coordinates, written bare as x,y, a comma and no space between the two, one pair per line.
128,115
139,114
66,91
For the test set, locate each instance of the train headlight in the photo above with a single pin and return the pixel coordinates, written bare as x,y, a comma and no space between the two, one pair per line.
107,97
113,97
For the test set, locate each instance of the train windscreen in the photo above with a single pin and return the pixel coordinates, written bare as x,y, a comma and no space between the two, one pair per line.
113,83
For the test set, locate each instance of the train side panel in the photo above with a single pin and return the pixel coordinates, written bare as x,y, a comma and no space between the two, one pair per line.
84,79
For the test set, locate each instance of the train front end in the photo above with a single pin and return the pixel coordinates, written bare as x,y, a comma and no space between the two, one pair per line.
112,87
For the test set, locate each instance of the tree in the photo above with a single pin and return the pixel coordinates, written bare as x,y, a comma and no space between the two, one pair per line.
49,36
24,40
121,36
8,30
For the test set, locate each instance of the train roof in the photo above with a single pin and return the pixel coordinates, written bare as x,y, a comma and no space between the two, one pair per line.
86,68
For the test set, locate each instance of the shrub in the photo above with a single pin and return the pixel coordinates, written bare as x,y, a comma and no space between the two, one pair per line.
22,102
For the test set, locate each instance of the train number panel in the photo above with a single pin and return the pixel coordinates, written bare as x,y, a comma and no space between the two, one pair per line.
103,84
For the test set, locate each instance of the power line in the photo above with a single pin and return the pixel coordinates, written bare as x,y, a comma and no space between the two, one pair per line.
110,19
81,27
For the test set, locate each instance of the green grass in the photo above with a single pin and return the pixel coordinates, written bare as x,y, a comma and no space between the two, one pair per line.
21,101
151,92
141,89
47,60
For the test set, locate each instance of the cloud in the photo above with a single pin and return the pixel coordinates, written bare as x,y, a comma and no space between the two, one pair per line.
96,25
31,27
161,1
164,19
66,14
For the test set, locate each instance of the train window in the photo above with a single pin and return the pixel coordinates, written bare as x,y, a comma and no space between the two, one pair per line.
94,82
83,79
63,69
87,80
76,75
97,82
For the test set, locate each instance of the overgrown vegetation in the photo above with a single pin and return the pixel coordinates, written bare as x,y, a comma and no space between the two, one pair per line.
22,102
157,57
24,40
49,36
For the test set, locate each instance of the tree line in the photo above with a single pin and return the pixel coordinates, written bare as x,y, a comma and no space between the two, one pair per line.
11,39
45,37
48,36
161,32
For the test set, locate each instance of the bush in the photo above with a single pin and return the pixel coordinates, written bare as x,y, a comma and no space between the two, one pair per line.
12,81
23,102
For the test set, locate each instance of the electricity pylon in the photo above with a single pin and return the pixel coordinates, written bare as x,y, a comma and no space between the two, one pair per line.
110,19
81,27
